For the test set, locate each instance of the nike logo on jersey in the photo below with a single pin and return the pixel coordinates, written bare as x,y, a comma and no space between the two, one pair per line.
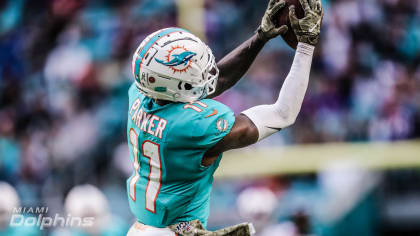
213,113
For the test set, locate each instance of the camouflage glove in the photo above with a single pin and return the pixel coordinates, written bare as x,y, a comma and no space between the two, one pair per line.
195,228
307,29
267,29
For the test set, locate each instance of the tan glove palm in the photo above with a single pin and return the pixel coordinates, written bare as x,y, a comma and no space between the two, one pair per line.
267,28
307,29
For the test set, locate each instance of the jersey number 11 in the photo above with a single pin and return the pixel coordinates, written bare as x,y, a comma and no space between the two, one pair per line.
151,151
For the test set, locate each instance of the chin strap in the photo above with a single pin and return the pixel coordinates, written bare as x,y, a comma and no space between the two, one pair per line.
270,119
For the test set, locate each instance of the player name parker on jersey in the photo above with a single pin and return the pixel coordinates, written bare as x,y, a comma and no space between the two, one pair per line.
149,123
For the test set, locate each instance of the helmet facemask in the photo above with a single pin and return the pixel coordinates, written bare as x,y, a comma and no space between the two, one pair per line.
210,75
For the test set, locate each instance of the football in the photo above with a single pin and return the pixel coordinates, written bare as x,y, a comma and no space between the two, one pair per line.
282,17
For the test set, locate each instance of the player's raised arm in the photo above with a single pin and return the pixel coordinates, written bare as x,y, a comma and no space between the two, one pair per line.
233,66
262,121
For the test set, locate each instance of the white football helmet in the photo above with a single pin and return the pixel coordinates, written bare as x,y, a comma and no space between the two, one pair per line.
88,201
9,200
174,65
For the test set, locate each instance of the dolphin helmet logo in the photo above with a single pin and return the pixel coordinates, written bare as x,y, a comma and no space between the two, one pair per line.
181,59
178,59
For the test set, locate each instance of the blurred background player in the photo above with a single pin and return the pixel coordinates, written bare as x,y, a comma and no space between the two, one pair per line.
87,201
177,133
9,203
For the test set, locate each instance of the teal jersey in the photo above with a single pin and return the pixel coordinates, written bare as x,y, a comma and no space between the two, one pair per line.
166,144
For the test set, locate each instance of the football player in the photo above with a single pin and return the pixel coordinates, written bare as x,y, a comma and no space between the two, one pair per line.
88,214
13,220
177,133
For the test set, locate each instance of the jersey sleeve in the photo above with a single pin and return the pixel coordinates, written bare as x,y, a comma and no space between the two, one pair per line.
202,129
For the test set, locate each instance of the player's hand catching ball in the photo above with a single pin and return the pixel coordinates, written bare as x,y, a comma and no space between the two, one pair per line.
267,29
307,29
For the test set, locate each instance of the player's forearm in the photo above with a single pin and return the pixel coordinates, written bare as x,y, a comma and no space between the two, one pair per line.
271,118
233,66
294,87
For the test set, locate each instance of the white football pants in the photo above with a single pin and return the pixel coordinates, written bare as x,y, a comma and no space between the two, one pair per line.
139,229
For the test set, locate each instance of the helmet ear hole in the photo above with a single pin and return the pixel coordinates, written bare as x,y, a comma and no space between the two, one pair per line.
187,86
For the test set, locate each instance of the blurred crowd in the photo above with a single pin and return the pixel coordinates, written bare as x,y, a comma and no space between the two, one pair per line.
65,72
